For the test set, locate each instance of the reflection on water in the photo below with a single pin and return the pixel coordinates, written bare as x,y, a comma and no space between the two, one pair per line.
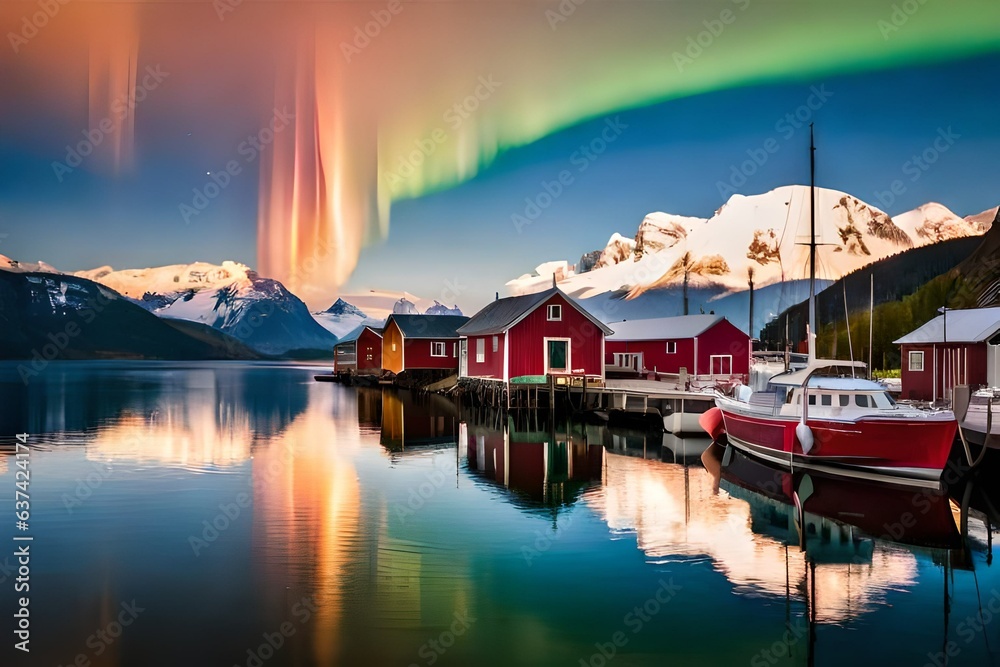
416,532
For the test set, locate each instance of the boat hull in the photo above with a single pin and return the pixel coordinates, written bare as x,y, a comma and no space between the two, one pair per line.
915,449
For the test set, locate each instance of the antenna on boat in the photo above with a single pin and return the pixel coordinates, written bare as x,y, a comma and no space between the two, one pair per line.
810,334
871,325
847,320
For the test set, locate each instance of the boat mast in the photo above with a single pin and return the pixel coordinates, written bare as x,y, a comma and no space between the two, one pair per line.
810,332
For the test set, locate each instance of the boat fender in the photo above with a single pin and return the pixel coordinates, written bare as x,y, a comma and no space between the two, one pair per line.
712,423
805,436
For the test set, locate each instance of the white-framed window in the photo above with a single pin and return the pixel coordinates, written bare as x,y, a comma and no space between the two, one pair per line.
438,349
628,360
721,364
915,361
496,343
554,312
480,350
672,347
557,355
454,350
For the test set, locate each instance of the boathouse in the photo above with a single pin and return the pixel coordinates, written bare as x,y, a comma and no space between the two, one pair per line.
421,342
359,352
546,333
698,345
956,347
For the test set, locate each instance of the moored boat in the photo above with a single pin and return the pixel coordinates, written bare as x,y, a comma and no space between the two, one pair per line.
827,418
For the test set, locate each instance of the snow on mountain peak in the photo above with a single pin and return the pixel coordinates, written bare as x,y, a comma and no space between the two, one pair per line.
440,309
934,222
405,307
341,307
173,278
768,233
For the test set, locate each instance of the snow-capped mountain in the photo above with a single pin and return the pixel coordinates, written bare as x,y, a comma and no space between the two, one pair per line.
232,298
341,318
983,221
767,234
47,315
440,309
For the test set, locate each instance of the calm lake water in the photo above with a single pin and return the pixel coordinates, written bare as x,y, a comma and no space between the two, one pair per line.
243,514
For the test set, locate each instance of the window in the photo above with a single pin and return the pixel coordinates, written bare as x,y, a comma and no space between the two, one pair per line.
557,355
845,400
861,400
672,347
496,343
454,350
826,399
393,346
915,361
812,399
721,364
554,313
438,349
480,350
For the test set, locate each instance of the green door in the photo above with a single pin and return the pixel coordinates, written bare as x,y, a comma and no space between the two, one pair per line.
558,356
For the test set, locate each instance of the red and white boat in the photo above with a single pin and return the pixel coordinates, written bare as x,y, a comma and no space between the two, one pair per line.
825,418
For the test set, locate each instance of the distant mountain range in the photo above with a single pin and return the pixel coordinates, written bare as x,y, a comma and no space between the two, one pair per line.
759,238
219,311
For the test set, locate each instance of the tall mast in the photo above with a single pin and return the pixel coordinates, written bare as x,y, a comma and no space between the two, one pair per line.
812,246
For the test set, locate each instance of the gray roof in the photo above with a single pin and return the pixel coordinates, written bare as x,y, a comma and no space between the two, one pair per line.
664,328
428,326
502,314
964,326
355,333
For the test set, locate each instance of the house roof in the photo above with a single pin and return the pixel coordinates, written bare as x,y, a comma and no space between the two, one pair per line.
502,314
356,332
428,326
664,328
974,325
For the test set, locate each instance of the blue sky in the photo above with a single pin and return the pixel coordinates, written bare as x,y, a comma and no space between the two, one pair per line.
669,156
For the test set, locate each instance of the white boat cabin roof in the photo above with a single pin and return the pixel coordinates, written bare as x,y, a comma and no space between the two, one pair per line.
826,370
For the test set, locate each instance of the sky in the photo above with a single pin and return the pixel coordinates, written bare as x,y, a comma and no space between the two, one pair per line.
445,148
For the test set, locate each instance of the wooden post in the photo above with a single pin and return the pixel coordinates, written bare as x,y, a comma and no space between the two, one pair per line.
552,394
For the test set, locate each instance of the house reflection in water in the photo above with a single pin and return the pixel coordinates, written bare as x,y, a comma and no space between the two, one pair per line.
411,420
546,466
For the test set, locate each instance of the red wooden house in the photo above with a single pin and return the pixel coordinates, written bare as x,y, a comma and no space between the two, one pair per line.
956,347
700,344
359,352
419,342
545,333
